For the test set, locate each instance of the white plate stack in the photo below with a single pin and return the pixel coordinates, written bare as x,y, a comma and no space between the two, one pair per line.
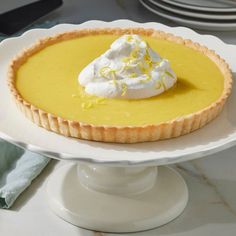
200,14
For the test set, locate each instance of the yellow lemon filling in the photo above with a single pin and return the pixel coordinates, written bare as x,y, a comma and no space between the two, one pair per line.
48,80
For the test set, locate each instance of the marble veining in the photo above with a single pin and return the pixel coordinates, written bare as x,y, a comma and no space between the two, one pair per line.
211,184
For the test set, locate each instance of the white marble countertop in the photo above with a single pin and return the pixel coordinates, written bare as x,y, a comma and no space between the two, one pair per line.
211,209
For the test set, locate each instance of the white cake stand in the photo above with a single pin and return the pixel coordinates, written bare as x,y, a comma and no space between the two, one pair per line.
115,187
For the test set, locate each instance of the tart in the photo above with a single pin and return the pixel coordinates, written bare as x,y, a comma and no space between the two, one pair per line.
43,82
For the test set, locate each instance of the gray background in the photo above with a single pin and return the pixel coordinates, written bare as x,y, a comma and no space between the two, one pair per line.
78,11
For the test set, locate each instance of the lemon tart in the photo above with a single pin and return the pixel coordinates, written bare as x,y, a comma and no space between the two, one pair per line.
43,82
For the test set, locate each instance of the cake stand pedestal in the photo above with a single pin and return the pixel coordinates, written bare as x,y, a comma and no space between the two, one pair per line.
116,199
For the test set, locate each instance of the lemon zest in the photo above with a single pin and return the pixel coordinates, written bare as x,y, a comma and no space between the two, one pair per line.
113,74
132,75
103,71
169,74
87,106
125,59
134,53
146,57
143,69
148,77
129,38
156,63
106,71
150,64
114,82
164,86
129,60
100,101
127,67
124,89
162,81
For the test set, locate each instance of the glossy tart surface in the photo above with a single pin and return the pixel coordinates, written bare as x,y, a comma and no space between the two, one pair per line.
44,85
48,80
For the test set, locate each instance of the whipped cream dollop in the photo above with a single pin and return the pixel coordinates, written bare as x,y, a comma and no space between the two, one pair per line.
129,69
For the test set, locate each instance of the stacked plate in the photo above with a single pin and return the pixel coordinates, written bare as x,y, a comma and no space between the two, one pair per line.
201,14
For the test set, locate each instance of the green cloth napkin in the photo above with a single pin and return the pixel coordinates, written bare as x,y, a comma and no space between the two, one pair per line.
17,169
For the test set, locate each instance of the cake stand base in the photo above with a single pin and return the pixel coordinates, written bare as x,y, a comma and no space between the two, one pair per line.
116,199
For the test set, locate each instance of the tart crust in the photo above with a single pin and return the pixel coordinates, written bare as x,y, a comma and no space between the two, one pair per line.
119,134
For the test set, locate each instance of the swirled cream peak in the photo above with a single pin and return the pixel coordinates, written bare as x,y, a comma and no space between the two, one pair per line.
128,69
